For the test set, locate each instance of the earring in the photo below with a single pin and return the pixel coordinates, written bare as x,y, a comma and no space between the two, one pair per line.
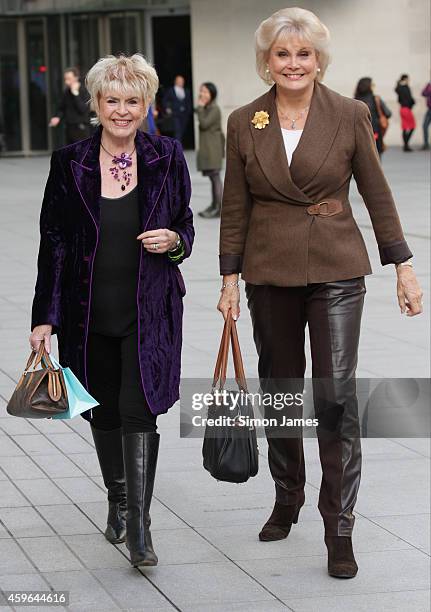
318,70
267,70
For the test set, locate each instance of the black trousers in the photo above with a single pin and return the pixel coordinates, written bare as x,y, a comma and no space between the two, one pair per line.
333,313
114,380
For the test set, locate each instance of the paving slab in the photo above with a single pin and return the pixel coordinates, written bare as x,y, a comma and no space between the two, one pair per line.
50,554
25,522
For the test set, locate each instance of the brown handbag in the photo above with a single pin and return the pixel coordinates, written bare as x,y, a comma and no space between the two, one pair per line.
39,394
383,120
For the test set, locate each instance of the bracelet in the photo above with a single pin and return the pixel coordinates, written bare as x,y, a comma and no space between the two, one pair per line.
177,254
229,284
177,244
408,263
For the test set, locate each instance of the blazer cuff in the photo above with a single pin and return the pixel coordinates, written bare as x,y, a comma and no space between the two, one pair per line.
395,253
230,264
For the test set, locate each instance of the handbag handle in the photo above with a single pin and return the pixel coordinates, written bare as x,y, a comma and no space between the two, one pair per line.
36,357
39,357
222,352
229,336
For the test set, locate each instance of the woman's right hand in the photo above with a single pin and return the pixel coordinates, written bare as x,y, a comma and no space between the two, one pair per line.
41,333
229,299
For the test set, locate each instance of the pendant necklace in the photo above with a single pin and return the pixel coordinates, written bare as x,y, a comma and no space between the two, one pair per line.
293,120
119,170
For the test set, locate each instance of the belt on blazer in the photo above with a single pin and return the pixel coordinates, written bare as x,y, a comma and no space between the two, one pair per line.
326,208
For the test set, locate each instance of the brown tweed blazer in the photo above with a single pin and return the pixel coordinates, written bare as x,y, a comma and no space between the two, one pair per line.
268,231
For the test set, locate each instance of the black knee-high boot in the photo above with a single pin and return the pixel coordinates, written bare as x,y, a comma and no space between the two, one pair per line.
140,460
109,448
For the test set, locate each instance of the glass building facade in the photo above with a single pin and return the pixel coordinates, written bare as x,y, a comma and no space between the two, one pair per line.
39,38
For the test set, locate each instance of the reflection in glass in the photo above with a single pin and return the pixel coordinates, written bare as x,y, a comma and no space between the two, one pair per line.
123,34
84,42
37,86
10,124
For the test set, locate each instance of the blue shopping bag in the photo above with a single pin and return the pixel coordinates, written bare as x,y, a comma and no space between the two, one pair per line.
79,398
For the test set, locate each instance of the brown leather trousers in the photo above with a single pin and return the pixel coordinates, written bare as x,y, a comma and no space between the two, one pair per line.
333,312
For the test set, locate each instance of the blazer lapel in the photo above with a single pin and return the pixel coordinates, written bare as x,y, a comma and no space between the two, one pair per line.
316,141
318,136
270,151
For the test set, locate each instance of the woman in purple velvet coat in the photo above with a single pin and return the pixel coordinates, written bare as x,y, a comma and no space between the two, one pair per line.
115,223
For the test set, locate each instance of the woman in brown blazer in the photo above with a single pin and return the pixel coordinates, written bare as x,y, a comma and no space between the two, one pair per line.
287,227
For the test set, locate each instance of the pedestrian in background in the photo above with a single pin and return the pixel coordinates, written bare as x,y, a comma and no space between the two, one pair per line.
380,113
115,223
406,102
211,146
73,108
426,92
287,226
149,124
177,103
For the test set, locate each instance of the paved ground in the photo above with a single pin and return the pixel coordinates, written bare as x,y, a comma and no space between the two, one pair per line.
52,501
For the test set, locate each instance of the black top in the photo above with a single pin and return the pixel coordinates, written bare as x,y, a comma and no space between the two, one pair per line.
74,109
116,267
405,97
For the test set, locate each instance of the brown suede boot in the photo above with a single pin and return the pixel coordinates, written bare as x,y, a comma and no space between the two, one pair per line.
279,524
341,560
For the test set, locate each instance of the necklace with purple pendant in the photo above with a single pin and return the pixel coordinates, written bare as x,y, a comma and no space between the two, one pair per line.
120,169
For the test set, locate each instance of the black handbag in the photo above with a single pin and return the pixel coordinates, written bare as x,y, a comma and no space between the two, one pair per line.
229,450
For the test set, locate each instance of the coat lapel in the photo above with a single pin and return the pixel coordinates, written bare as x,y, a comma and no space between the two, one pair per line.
152,172
270,152
320,130
316,141
86,172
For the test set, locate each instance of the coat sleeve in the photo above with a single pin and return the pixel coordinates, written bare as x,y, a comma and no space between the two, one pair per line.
183,222
236,205
375,191
208,117
46,308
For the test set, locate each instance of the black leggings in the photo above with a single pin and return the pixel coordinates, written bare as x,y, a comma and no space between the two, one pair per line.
407,134
114,380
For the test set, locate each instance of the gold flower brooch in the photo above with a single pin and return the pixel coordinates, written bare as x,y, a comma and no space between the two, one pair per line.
260,120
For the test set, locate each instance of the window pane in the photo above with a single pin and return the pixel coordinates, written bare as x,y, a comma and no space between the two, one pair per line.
123,34
84,42
10,122
37,85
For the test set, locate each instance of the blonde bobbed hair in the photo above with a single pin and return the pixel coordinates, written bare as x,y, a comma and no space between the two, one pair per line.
288,21
122,75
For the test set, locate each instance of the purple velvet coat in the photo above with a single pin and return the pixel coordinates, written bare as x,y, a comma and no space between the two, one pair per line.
69,228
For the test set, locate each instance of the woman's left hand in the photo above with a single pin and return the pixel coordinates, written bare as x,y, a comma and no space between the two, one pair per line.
409,291
159,240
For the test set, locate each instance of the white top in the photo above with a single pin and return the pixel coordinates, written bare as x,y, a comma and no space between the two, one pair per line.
179,92
291,140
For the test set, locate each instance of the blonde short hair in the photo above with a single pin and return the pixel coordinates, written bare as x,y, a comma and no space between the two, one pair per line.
288,21
123,75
